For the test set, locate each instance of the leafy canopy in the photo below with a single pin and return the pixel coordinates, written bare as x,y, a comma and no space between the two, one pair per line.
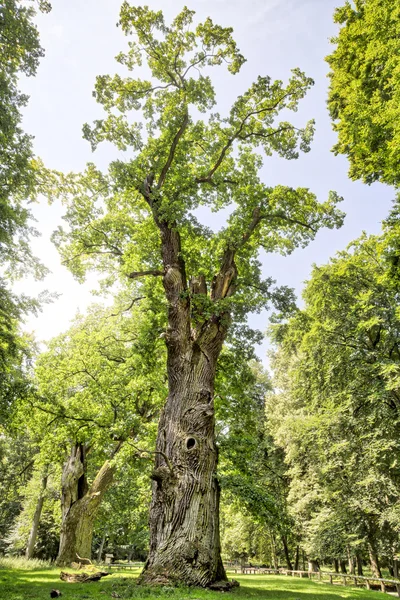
99,383
336,410
20,52
184,155
364,96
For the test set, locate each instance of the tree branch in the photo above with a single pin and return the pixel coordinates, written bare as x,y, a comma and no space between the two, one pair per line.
236,135
290,220
172,150
165,457
136,274
129,307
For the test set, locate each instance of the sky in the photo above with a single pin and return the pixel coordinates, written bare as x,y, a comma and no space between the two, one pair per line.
81,39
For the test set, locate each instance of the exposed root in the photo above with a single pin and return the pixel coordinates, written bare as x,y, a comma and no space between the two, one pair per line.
224,586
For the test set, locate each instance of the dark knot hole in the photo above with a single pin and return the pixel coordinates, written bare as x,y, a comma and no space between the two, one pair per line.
190,443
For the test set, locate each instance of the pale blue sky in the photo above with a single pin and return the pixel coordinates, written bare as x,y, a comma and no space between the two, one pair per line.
81,40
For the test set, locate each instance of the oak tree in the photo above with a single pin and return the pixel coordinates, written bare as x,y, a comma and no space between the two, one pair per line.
139,221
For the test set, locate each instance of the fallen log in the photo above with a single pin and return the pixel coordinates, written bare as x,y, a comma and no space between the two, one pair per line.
82,577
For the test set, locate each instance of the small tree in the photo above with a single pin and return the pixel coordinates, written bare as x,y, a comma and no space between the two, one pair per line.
139,222
99,389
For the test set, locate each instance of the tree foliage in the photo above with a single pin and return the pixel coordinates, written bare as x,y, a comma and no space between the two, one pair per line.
365,91
139,220
337,370
20,52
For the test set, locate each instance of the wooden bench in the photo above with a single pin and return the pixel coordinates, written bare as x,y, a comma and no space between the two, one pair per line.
122,566
386,585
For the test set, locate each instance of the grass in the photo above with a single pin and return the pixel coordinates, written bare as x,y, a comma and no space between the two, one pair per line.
19,562
36,583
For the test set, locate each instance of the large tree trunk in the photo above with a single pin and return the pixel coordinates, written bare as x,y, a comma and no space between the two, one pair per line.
79,506
184,512
36,518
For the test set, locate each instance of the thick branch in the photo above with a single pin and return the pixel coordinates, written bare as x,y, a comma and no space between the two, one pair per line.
136,274
172,150
165,457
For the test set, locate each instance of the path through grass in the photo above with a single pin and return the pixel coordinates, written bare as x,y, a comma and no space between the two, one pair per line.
35,584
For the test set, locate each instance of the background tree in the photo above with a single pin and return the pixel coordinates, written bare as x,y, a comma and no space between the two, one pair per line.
140,221
20,52
36,529
364,95
337,372
17,451
252,471
98,391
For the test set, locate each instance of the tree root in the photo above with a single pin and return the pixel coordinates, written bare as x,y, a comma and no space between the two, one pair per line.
223,586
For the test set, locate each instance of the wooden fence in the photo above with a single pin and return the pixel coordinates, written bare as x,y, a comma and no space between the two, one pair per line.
386,585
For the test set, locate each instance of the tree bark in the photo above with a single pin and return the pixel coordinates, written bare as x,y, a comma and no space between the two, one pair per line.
359,564
286,551
100,550
36,517
313,566
343,566
184,512
79,506
350,559
373,559
336,565
274,553
396,568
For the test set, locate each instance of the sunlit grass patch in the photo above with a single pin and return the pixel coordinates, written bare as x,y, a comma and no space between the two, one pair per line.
35,584
20,562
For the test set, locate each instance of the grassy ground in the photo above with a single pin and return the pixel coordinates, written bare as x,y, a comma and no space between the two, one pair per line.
35,584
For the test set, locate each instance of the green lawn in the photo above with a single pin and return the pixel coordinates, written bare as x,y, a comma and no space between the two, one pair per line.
23,584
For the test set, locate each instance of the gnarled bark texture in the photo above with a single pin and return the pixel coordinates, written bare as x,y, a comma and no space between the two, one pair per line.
184,520
79,505
184,514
